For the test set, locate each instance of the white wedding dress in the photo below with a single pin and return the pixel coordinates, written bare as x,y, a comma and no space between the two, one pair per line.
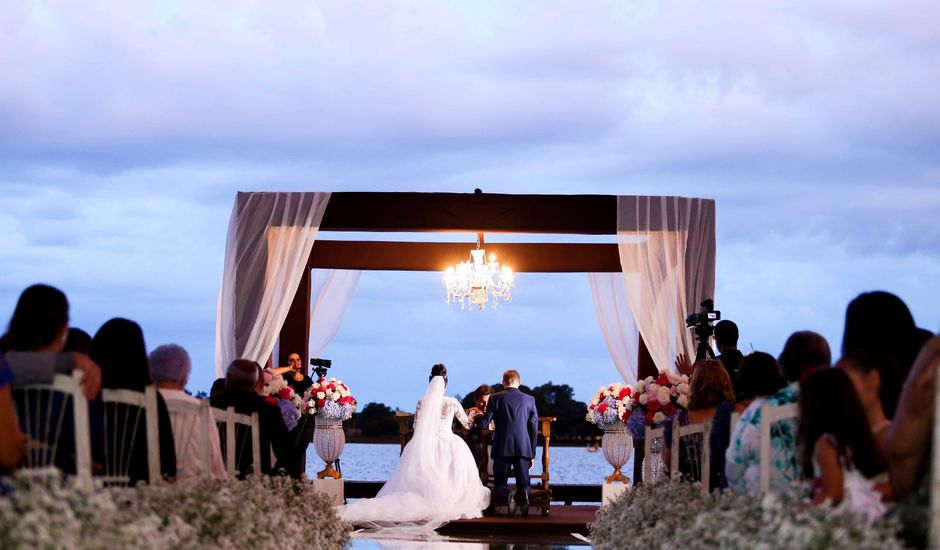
436,479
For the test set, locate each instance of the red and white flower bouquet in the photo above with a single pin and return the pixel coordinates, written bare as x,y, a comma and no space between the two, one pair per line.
657,400
278,392
330,398
610,404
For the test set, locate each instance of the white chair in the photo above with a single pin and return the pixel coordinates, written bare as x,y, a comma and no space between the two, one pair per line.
234,441
192,425
770,415
703,458
129,415
42,415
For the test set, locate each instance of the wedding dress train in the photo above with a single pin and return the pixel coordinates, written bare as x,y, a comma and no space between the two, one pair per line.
436,479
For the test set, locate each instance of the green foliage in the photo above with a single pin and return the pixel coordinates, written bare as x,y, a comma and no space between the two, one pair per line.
376,420
679,515
45,510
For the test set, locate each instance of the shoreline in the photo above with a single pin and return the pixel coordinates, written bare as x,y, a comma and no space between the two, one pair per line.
397,441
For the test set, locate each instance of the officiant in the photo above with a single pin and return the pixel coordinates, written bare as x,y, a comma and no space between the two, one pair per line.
476,438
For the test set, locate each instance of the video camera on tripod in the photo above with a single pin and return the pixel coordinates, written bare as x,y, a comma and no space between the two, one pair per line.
701,324
320,366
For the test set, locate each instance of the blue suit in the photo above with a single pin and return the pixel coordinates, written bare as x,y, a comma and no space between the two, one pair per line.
515,438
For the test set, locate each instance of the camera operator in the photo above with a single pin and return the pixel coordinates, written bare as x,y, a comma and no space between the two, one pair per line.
294,374
726,339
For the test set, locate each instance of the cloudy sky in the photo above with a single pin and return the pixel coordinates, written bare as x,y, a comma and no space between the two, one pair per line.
127,128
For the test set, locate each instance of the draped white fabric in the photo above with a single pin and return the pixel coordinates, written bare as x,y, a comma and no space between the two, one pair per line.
670,243
616,321
270,237
667,258
331,291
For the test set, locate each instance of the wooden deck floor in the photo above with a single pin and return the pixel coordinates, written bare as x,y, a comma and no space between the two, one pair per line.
563,520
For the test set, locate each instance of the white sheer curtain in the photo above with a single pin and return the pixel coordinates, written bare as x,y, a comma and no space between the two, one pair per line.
670,243
667,258
616,321
270,237
331,291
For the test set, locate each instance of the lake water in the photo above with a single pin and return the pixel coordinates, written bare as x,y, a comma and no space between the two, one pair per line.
375,462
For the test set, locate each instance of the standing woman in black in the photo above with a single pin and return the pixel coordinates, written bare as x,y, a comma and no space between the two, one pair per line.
118,348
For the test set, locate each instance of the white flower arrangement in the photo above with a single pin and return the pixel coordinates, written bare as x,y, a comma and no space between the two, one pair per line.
45,510
330,397
275,387
679,515
610,404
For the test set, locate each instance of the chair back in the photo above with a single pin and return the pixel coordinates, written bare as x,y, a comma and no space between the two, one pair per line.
770,415
238,433
44,411
699,455
130,416
191,428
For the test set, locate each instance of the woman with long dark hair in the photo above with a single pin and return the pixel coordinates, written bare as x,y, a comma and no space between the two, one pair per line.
879,322
804,352
118,347
837,449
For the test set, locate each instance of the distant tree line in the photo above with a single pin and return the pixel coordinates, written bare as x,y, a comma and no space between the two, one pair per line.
377,420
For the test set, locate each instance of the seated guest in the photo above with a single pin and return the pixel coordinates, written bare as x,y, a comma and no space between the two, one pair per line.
218,388
33,344
803,353
169,368
78,341
909,445
241,381
838,451
881,323
35,339
710,389
119,348
864,369
12,443
758,376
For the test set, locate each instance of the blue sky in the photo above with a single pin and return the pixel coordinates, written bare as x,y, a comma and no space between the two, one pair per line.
126,130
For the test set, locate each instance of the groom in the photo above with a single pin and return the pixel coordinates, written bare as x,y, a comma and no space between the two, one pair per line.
514,440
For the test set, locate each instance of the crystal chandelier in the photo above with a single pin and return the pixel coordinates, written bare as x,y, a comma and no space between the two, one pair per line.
473,282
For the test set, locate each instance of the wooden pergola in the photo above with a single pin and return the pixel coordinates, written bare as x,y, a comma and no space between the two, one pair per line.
390,212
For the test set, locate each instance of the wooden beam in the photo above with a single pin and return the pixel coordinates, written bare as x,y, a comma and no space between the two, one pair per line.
491,212
423,256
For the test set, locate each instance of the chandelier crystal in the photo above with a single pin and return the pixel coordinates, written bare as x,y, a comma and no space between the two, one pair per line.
476,281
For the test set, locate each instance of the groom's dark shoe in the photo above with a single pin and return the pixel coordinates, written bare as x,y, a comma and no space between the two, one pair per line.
523,502
511,503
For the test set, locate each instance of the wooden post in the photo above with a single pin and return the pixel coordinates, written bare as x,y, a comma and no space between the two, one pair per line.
404,427
295,334
645,367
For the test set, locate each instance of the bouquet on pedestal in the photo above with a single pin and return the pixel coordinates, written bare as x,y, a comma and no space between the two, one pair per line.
278,392
657,401
608,407
329,399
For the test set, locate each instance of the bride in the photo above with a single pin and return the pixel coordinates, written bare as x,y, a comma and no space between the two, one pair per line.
436,479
